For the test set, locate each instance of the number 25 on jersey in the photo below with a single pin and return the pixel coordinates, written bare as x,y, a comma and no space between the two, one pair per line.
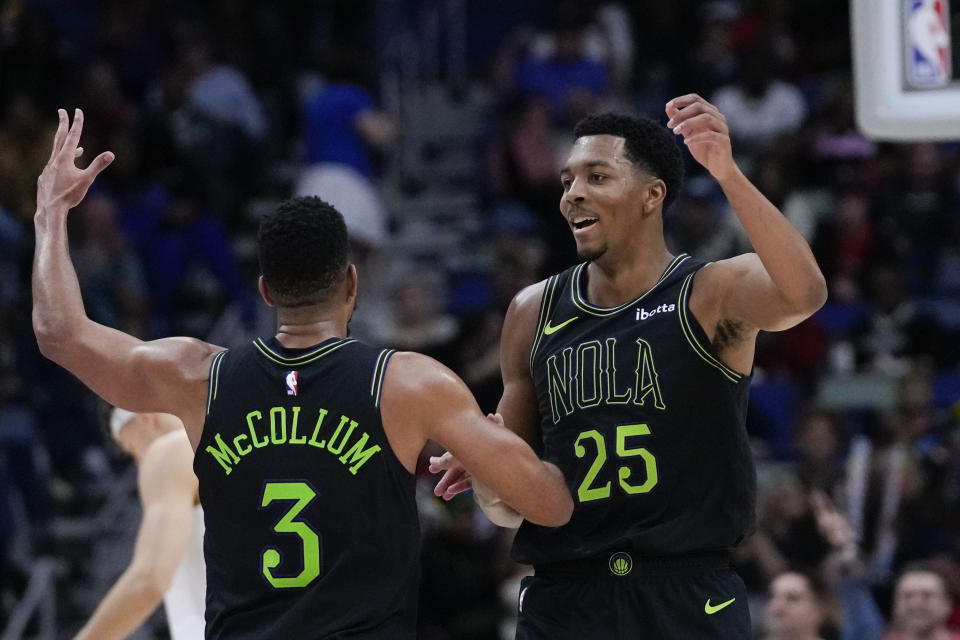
587,491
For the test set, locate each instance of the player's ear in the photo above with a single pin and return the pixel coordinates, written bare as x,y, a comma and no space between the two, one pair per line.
264,292
351,284
654,194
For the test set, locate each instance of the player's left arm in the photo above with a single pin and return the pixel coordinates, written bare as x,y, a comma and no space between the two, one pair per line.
778,286
168,488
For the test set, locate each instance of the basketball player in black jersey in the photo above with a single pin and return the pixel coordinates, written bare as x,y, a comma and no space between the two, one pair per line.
630,371
305,443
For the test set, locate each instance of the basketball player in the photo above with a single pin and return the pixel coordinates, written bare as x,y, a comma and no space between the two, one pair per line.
305,443
631,371
167,560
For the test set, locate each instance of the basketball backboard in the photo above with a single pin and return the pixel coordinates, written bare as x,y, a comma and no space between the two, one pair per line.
906,79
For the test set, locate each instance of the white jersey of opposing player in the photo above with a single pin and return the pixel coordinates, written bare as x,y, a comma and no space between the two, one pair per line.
186,598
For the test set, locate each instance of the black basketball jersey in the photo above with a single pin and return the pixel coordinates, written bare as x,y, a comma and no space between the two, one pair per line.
645,422
311,520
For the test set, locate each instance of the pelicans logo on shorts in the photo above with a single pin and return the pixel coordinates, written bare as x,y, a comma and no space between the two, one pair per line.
621,563
293,382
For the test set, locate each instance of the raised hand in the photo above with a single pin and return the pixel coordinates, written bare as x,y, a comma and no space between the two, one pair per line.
704,130
62,184
832,524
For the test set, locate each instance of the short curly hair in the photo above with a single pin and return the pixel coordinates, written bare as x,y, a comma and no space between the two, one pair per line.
649,145
303,251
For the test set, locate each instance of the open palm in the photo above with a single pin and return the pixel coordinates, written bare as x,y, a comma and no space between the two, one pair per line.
62,183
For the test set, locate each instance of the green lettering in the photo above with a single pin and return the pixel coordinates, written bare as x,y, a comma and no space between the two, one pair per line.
259,444
357,455
271,558
241,450
646,381
585,492
274,438
313,439
224,455
333,447
558,384
588,351
293,428
610,372
625,431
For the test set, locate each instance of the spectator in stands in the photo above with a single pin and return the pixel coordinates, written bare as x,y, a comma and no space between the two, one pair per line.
818,441
761,108
559,69
21,133
169,226
919,213
713,58
914,471
217,123
420,322
702,222
341,124
111,277
795,610
522,171
896,330
812,535
843,243
922,604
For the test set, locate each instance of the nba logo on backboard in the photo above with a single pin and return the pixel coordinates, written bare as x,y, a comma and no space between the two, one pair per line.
292,382
928,43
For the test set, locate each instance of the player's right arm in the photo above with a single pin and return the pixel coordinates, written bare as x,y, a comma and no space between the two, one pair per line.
422,399
168,375
168,488
518,405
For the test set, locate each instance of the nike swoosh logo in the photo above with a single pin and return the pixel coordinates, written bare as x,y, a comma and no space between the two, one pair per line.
712,609
548,329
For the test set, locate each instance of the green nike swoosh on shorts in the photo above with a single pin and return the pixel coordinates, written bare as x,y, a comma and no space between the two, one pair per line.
712,609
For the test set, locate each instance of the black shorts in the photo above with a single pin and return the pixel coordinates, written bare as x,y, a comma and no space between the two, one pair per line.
620,598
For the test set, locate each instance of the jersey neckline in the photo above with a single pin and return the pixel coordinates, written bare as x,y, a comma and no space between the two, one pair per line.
580,300
273,350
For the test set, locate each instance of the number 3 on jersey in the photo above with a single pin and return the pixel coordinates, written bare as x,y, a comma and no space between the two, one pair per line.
586,492
303,494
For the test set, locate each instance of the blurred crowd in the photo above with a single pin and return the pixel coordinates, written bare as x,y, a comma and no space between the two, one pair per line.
216,110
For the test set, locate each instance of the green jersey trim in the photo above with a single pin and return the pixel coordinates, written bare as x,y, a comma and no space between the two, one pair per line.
214,380
299,361
376,384
688,333
546,303
581,303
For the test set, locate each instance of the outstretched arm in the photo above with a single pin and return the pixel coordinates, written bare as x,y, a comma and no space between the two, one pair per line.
420,393
167,490
781,284
165,375
518,406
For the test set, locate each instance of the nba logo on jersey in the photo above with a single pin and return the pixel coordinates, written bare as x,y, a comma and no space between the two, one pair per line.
928,43
292,381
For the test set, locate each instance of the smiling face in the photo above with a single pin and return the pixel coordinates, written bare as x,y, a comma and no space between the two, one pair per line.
921,604
605,195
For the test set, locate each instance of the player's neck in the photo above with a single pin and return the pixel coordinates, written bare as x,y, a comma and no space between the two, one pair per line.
301,328
615,279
